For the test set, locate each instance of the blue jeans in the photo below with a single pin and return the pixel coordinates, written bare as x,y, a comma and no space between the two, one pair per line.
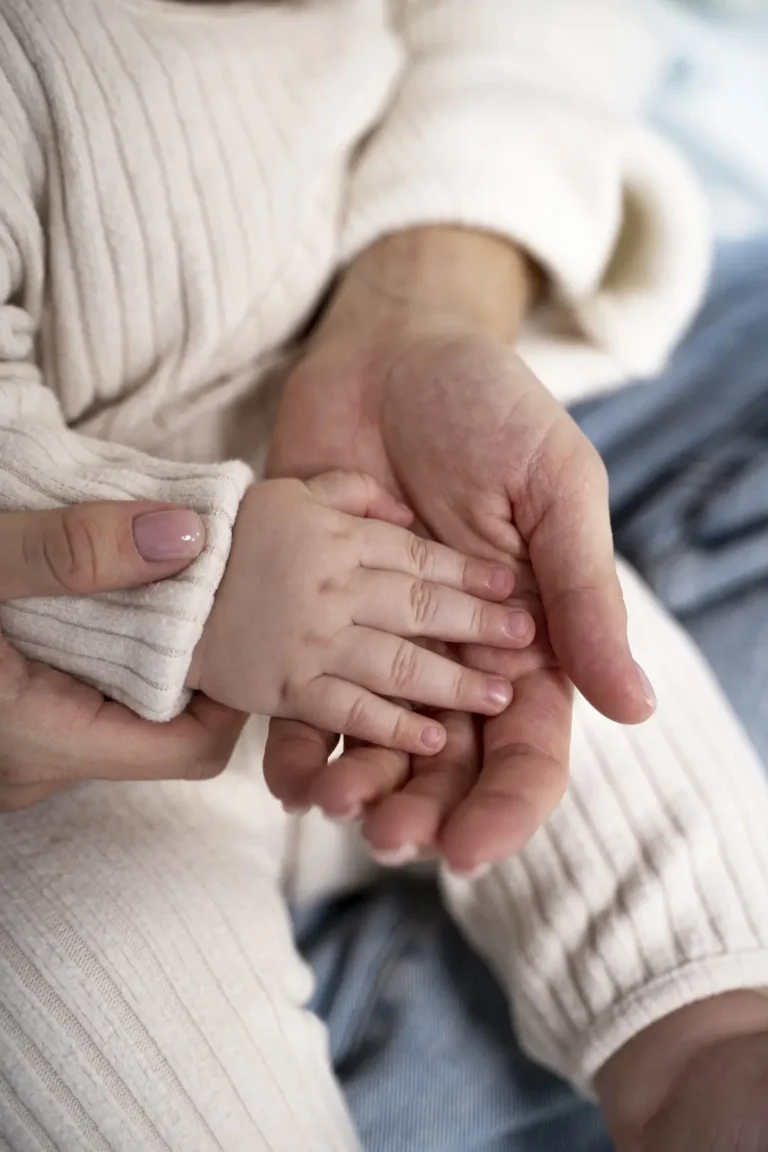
688,461
420,1033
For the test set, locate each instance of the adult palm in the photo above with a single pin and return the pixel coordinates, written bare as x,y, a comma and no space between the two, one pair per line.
456,424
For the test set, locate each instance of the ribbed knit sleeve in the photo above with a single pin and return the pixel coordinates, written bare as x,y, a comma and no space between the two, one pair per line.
136,646
522,118
647,890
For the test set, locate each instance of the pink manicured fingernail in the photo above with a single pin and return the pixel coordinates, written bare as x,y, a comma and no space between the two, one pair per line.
290,811
518,625
499,580
648,689
432,737
175,534
498,693
396,857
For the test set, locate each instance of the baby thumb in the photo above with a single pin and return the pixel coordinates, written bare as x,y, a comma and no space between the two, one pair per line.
359,494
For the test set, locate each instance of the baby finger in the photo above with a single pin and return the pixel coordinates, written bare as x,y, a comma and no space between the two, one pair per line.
336,704
390,666
407,606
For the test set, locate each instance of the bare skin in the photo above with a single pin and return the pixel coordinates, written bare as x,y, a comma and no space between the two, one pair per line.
412,377
55,730
696,1081
320,600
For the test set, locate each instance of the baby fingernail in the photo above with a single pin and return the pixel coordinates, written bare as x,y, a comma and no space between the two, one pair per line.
396,857
648,689
518,625
432,737
499,580
173,534
498,693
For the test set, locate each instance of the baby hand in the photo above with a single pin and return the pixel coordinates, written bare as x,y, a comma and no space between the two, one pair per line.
311,619
452,805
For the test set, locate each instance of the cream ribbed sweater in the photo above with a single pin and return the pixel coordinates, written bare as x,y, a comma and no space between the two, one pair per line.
178,183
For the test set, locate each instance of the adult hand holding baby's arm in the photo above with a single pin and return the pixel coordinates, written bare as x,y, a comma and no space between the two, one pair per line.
65,662
57,730
319,607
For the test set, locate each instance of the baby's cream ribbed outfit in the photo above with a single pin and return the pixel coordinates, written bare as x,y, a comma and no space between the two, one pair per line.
178,185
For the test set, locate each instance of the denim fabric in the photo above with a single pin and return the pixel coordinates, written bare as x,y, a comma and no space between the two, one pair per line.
420,1033
421,1037
688,461
712,100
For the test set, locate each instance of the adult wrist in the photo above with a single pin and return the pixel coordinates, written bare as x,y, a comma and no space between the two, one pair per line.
637,1082
437,276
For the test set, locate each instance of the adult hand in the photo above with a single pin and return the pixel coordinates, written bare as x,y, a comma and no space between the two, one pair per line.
480,799
55,730
412,377
431,401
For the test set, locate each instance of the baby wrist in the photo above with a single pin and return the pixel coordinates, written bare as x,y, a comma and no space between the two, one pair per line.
194,675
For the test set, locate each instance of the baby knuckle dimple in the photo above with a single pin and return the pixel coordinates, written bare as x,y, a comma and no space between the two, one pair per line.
313,639
405,667
481,620
288,690
418,554
327,585
423,604
357,717
339,535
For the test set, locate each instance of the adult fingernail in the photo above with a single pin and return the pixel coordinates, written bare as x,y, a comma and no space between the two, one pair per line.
172,534
472,874
499,581
518,625
432,738
396,857
347,817
498,693
648,689
290,810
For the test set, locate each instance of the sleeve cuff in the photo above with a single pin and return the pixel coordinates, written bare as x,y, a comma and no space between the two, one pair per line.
484,138
696,981
135,647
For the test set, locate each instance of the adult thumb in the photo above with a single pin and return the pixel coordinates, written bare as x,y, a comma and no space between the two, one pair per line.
98,547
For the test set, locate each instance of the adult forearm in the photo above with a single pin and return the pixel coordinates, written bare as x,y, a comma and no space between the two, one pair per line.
479,281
